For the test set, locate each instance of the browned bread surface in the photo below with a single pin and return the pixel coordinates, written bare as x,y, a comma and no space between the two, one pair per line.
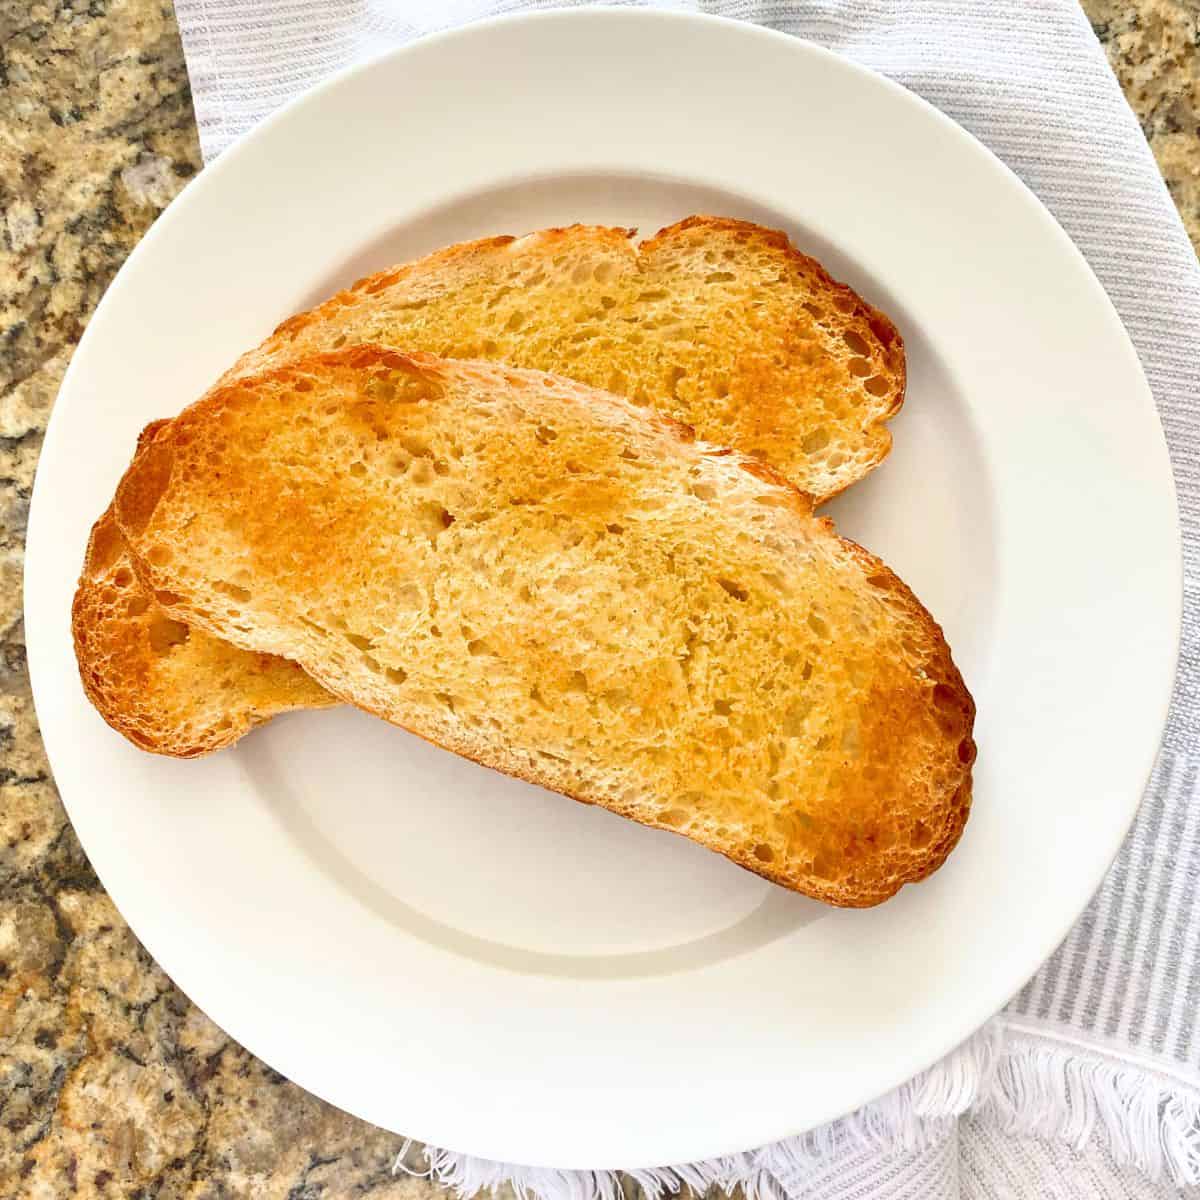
539,576
718,323
721,323
167,686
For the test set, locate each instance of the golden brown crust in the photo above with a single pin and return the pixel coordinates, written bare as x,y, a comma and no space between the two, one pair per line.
902,701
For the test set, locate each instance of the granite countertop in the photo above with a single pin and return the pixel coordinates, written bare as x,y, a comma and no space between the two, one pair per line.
111,1082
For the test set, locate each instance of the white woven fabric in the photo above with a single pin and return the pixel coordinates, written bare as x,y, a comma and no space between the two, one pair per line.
1099,1056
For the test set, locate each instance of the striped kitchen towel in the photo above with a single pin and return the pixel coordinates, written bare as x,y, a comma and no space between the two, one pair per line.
1088,1084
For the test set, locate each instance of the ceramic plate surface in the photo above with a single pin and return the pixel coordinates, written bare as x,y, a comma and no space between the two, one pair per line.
472,961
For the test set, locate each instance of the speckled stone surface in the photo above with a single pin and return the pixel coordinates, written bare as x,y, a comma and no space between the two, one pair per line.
1154,48
111,1083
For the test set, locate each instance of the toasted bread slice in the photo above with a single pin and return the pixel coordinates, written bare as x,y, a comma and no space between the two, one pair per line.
169,687
721,324
544,578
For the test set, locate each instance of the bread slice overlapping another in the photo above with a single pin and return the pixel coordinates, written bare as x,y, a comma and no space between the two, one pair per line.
556,583
168,688
718,323
721,324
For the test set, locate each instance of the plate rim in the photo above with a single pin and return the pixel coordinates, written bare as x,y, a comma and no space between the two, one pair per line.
42,678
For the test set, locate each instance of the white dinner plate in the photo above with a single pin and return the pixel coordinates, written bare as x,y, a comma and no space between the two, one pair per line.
472,961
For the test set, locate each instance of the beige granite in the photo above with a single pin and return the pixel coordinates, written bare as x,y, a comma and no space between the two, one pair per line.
1154,48
111,1083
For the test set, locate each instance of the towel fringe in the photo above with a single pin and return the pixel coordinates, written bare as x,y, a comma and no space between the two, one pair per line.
1031,1084
1148,1119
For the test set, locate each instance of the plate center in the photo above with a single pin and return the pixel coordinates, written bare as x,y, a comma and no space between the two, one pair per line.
506,873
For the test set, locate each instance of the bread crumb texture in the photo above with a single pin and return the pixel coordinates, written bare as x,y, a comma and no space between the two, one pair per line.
543,578
721,324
